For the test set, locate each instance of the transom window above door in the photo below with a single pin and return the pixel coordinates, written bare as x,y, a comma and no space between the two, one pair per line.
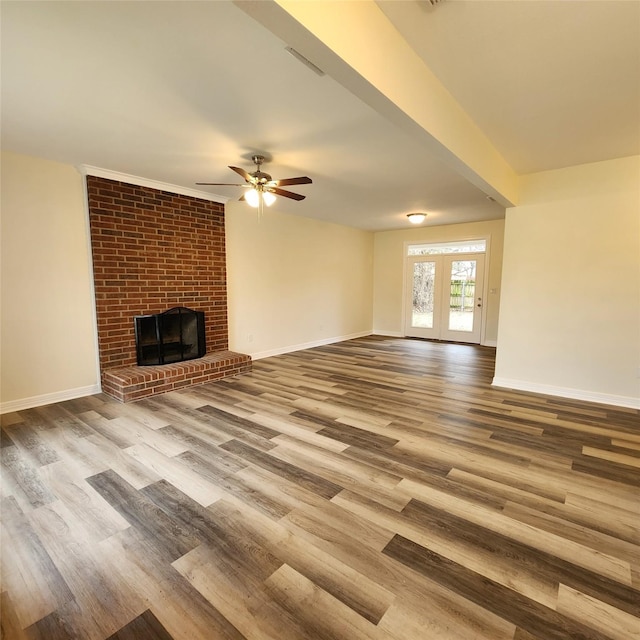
440,248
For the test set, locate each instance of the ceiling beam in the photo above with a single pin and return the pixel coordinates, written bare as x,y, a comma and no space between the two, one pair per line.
355,44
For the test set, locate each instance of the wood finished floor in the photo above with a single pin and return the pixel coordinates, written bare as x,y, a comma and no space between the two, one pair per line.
378,488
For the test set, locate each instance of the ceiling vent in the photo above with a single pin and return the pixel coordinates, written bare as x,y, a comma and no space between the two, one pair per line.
307,63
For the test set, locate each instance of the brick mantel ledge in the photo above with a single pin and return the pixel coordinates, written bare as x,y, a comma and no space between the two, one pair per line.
134,383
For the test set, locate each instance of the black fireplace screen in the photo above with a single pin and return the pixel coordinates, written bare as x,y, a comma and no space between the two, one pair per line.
172,336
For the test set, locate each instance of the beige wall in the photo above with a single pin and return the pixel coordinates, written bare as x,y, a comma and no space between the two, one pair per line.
388,271
570,314
47,328
295,282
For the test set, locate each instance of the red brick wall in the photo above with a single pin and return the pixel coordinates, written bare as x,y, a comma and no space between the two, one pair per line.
153,250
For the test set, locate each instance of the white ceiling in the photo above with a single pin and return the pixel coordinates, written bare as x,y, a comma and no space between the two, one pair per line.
176,91
552,83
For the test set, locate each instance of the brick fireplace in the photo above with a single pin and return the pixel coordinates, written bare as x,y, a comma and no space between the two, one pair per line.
154,250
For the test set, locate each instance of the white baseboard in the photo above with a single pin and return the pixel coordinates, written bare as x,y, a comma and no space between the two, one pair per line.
48,398
565,392
400,334
306,345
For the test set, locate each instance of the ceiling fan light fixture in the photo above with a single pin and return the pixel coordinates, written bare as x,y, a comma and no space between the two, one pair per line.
262,189
416,218
253,198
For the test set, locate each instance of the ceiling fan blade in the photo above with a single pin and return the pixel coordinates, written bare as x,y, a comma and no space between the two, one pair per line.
300,180
242,172
221,184
287,194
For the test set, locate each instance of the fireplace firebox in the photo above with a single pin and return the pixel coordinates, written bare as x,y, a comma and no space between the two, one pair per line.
171,336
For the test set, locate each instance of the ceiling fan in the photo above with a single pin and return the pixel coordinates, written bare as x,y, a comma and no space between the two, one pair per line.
262,188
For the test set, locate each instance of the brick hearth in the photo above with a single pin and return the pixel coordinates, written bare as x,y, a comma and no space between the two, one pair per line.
153,250
133,383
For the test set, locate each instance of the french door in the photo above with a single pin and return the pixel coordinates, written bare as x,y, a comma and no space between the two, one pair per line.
444,297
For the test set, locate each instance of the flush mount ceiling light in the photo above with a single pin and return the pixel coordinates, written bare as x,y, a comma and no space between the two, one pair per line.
416,218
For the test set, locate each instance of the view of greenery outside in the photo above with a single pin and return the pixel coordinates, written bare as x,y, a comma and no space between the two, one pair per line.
461,295
423,288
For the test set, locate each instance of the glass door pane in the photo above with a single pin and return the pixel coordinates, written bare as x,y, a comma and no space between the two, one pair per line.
423,291
424,274
462,294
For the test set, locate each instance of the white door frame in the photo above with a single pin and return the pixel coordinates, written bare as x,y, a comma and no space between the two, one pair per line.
406,277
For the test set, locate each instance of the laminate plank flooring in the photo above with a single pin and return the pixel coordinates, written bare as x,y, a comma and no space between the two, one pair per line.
377,488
